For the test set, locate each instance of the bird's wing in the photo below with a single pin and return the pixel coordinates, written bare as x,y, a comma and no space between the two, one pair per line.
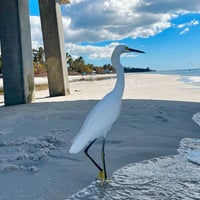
98,122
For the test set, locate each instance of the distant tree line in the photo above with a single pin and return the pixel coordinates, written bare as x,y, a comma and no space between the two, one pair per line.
136,69
76,66
39,64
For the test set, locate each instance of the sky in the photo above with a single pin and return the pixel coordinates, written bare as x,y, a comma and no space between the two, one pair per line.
168,31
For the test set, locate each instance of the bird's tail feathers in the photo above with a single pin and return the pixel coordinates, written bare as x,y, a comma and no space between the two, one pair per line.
78,144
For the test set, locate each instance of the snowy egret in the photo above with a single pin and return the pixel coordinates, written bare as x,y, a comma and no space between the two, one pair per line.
102,116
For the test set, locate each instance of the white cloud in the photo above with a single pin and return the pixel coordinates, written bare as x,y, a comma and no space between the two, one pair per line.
111,20
94,21
93,52
181,25
36,32
184,31
76,1
193,22
187,25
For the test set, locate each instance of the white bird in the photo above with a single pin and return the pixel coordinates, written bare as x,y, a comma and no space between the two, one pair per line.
102,116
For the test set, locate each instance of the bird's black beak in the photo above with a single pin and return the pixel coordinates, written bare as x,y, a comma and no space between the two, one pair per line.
135,50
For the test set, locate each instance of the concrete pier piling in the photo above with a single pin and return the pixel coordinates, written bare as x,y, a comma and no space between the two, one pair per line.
16,52
53,36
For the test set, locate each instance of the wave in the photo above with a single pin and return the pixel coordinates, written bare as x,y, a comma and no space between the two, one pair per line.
196,118
193,80
168,177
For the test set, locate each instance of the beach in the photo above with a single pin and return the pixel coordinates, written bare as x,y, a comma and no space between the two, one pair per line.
156,114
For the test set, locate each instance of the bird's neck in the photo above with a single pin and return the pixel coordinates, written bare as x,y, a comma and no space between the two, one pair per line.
119,86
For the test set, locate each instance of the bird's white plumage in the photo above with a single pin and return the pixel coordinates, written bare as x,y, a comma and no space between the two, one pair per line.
97,123
106,111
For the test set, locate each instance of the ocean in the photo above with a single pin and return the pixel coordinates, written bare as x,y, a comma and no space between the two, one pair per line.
191,76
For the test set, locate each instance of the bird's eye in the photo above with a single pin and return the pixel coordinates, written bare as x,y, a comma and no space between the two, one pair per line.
126,48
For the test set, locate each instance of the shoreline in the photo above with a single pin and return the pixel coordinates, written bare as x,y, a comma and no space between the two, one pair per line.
41,83
137,86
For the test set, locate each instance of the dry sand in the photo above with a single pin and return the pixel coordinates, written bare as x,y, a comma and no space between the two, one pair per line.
156,114
137,86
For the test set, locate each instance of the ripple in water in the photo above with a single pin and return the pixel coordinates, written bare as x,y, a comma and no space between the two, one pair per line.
170,177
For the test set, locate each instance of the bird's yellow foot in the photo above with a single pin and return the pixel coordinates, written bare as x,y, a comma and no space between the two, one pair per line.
101,178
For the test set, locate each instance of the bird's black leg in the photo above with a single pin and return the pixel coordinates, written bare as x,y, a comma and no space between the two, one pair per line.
103,158
86,153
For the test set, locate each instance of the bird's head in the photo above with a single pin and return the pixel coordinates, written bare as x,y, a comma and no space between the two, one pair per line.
126,49
120,49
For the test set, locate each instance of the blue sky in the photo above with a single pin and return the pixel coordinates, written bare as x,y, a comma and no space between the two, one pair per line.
168,31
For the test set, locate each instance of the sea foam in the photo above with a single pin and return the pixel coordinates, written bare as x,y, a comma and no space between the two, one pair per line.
196,118
169,177
193,80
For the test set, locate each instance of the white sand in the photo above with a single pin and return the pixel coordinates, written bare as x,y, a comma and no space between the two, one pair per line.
35,138
137,86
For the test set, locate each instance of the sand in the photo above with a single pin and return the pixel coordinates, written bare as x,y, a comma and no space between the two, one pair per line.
156,114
